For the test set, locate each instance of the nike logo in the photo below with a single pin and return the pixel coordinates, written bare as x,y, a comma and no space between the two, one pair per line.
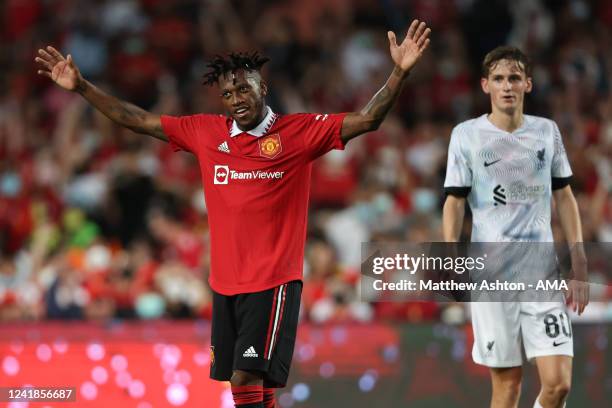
555,344
490,163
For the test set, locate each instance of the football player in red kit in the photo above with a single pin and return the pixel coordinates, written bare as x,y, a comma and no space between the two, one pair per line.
255,166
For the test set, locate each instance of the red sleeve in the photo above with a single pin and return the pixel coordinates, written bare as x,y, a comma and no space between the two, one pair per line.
323,133
186,132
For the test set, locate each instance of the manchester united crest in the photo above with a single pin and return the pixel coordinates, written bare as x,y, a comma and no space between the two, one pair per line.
212,355
270,146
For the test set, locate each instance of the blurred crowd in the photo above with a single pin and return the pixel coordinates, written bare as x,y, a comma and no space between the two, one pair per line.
97,222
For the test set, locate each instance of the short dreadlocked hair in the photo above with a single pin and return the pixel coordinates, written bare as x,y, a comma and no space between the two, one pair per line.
234,61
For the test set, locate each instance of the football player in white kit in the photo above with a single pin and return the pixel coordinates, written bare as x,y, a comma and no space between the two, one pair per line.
509,166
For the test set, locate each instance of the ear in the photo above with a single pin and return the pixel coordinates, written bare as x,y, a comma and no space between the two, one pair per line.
264,87
529,85
484,84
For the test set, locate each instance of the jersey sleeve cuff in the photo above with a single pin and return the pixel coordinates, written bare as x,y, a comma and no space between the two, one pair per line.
340,144
457,191
168,123
560,182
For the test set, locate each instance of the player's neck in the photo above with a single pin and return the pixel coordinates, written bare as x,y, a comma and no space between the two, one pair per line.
260,118
507,121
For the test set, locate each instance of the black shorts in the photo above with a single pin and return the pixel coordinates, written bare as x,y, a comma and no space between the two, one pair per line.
255,332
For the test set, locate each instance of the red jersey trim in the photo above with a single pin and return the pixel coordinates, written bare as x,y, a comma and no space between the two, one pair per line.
280,321
273,312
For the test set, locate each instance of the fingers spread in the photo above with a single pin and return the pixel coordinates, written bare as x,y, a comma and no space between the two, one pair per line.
44,63
420,30
425,45
45,55
44,73
55,53
412,28
392,39
423,38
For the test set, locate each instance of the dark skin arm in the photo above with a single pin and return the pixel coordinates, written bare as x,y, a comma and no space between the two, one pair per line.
405,56
65,73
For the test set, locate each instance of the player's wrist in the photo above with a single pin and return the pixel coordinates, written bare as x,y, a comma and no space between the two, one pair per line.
81,85
400,72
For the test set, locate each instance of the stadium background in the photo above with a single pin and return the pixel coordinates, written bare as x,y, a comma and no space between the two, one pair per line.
103,233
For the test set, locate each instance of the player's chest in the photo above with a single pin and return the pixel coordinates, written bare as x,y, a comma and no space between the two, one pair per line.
247,160
523,156
268,149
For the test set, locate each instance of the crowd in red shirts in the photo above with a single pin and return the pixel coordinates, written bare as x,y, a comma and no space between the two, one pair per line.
97,222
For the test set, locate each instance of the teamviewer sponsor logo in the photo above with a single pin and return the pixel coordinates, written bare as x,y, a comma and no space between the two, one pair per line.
221,174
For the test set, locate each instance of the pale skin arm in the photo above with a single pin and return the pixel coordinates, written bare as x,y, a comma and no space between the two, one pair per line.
453,213
569,217
405,56
65,73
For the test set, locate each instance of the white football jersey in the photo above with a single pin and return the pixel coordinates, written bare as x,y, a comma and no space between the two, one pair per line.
508,177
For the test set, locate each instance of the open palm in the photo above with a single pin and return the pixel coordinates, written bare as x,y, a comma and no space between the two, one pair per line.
406,54
62,71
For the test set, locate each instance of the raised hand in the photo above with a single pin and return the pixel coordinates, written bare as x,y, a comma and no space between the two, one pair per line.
406,54
62,71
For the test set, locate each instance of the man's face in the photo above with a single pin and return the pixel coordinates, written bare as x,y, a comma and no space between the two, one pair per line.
507,84
242,93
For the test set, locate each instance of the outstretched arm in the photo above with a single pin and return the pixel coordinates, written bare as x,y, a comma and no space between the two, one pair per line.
405,56
65,73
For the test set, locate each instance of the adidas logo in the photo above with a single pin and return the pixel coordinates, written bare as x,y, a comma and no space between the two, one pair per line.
223,147
250,352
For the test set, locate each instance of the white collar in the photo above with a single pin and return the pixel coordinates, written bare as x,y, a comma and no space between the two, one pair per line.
486,123
258,130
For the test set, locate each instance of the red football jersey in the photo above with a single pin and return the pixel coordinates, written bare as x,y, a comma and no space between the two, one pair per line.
256,187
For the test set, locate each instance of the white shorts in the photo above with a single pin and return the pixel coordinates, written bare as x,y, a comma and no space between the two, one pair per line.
500,328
